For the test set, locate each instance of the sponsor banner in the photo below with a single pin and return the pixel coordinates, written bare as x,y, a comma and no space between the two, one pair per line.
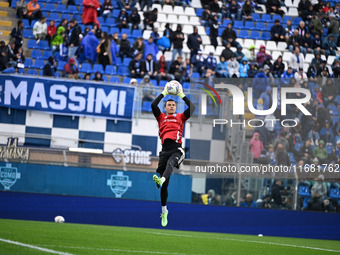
67,97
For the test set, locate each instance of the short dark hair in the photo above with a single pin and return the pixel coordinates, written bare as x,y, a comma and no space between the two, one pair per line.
169,100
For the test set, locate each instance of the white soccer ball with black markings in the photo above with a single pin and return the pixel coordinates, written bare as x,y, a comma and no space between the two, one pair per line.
173,87
59,219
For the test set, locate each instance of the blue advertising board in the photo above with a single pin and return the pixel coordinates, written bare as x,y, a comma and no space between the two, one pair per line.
68,97
49,179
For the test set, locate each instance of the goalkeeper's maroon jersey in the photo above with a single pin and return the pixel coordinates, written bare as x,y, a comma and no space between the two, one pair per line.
171,126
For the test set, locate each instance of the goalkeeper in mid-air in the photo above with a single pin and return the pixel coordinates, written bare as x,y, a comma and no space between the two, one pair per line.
170,131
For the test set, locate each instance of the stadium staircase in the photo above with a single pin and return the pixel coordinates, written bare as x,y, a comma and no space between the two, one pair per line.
7,20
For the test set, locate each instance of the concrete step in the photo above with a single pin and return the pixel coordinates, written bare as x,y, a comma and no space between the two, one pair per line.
5,32
6,23
4,4
3,13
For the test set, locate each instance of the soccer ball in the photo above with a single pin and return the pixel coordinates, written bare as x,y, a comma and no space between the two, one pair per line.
59,219
173,87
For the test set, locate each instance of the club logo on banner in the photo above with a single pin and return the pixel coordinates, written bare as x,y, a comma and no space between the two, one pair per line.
67,97
119,184
9,176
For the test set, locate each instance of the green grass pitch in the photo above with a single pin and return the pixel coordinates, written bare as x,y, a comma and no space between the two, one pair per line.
93,239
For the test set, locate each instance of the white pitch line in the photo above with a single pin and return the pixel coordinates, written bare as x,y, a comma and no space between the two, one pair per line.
34,247
249,241
112,249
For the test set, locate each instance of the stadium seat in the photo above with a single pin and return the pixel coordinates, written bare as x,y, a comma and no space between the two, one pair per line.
255,35
238,24
110,70
189,11
28,63
60,8
126,61
43,45
297,20
256,17
126,80
309,57
276,16
260,26
39,64
329,148
72,9
146,107
28,33
337,99
249,25
57,74
291,158
123,71
60,66
86,68
333,109
266,36
36,54
32,44
114,79
271,45
258,44
334,193
244,34
48,7
32,72
266,18
194,21
199,12
303,191
285,18
46,54
98,68
293,12
298,146
137,33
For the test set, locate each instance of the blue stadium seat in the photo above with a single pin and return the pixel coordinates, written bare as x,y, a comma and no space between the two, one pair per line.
126,80
98,68
28,33
115,79
65,16
243,34
329,148
126,61
146,107
123,71
60,66
49,7
249,25
86,68
335,119
297,21
54,16
111,22
28,63
57,1
57,75
256,17
43,45
195,75
285,18
72,9
333,109
207,30
26,24
291,157
41,73
39,64
115,13
305,202
21,71
186,85
260,26
110,70
46,54
266,36
36,54
162,83
32,44
334,193
79,2
154,82
104,77
199,12
298,146
105,29
126,31
114,30
277,16
266,18
32,72
220,31
225,23
255,35
337,99
60,8
137,33
303,191
238,24
78,18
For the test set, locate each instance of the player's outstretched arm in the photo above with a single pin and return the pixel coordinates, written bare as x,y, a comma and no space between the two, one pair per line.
188,112
154,106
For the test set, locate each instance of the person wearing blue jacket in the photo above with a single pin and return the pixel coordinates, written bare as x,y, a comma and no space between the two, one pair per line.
249,202
222,68
267,98
150,48
89,44
287,75
326,133
114,52
260,83
330,45
211,62
244,67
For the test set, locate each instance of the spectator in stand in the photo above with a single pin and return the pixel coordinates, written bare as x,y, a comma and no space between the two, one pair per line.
63,50
98,77
235,11
134,20
319,187
329,44
307,43
262,56
123,19
233,67
329,93
87,76
148,89
3,56
205,18
300,76
97,31
267,98
276,194
163,70
247,11
114,51
289,30
296,60
294,40
150,48
252,71
21,9
260,83
115,37
104,50
274,6
50,68
214,7
333,27
125,49
33,11
51,30
239,55
278,67
194,42
89,44
315,25
20,58
198,62
90,12
71,69
321,153
73,41
176,69
57,40
306,152
244,67
215,23
250,54
308,15
106,9
335,156
227,53
229,35
138,46
177,38
303,6
137,67
40,29
188,69
277,32
164,43
151,67
63,23
256,146
211,63
315,204
17,35
147,3
126,4
222,68
150,17
326,134
249,202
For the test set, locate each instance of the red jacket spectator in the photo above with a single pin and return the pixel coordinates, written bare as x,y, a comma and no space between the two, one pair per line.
256,146
90,11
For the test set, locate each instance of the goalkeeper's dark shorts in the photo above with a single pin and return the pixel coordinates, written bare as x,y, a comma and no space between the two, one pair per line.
172,158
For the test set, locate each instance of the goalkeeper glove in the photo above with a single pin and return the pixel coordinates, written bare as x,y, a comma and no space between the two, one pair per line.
181,94
165,93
